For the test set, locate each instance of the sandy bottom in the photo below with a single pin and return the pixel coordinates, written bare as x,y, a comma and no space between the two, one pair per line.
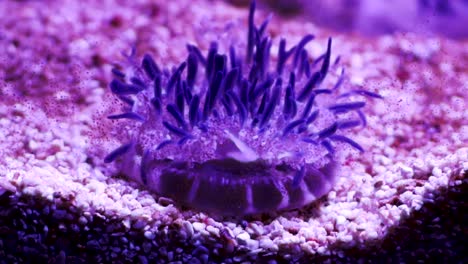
54,99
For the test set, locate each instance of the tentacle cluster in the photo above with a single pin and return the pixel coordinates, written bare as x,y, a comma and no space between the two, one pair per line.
233,134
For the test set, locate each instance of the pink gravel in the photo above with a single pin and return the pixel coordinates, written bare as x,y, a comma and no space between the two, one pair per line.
55,68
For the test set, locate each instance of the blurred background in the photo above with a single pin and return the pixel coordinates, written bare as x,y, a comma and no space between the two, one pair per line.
373,17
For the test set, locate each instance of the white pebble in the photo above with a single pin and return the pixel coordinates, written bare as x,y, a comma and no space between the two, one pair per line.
372,235
149,235
406,171
349,214
380,194
346,238
82,220
437,172
268,244
340,220
126,223
242,238
252,244
198,226
212,230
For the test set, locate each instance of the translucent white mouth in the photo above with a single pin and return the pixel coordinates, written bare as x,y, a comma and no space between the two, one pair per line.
238,150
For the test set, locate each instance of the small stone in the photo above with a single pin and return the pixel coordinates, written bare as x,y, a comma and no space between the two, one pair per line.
149,235
200,250
380,194
59,214
188,228
213,230
257,229
93,245
163,201
340,220
406,171
268,244
242,238
163,251
204,258
82,220
116,249
126,223
378,184
349,214
62,228
252,244
75,228
437,172
321,250
61,257
139,224
146,246
372,235
346,238
238,259
46,210
143,259
170,256
198,226
194,261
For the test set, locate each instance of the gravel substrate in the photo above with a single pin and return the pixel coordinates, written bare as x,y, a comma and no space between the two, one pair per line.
38,231
60,201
